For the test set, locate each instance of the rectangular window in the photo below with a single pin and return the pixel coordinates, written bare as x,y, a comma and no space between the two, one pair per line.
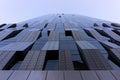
16,66
51,60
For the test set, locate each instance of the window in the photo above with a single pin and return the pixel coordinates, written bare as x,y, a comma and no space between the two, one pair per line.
115,24
105,25
13,34
68,33
16,66
2,25
25,26
51,60
79,66
59,16
96,25
12,26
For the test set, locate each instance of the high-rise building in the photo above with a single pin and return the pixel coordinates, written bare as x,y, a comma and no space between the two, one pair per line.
60,47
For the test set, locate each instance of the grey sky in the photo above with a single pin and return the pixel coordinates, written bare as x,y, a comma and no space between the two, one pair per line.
20,10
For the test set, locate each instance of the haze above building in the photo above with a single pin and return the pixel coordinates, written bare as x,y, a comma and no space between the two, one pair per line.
12,11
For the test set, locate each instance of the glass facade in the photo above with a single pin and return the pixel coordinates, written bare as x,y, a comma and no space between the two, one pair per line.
60,42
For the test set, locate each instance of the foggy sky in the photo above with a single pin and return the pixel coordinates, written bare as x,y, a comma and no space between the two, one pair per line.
12,11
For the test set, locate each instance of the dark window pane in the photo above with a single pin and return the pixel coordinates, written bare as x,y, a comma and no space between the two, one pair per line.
52,65
16,66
